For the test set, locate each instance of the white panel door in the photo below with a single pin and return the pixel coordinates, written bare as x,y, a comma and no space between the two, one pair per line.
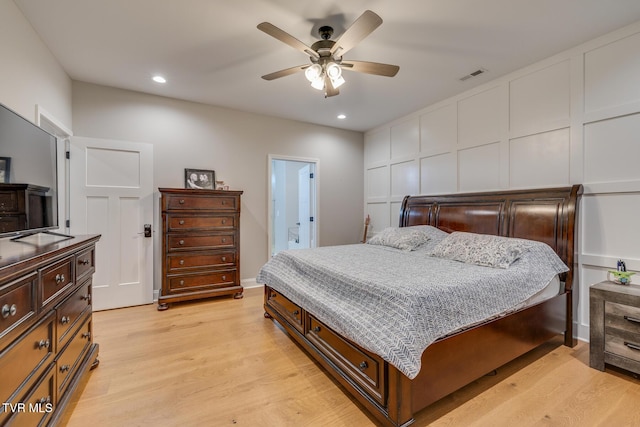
112,194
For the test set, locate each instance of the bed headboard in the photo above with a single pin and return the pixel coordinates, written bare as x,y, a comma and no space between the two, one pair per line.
547,215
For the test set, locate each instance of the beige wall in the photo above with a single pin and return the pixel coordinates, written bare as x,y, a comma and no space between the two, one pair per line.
29,74
236,145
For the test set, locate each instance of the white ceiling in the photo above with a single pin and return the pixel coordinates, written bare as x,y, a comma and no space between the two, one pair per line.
211,52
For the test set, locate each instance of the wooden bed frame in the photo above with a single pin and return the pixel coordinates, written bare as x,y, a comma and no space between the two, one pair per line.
547,215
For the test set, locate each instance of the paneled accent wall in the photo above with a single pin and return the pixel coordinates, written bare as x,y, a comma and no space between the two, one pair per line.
572,118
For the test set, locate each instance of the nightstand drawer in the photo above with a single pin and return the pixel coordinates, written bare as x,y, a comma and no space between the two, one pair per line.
622,317
629,348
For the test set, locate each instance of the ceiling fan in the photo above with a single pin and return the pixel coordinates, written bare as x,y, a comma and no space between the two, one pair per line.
326,55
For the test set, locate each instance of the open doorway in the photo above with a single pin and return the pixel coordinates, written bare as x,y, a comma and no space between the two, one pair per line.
292,203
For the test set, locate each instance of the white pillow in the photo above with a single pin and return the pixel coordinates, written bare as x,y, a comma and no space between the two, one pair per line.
481,249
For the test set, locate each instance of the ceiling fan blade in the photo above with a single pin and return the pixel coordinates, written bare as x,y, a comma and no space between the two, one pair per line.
361,28
329,90
287,38
285,72
371,68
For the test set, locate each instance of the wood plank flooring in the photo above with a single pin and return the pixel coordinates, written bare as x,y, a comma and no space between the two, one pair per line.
221,363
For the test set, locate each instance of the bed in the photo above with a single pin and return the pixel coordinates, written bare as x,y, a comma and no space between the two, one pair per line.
392,392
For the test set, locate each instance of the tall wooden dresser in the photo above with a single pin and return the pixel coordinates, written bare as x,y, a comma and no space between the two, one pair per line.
46,334
200,244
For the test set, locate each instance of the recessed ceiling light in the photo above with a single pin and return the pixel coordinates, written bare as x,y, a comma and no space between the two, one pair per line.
159,79
342,116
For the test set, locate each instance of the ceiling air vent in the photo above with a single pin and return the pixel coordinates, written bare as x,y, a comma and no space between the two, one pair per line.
474,74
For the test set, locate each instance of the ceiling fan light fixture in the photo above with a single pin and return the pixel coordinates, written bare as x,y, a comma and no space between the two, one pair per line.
333,70
318,83
313,73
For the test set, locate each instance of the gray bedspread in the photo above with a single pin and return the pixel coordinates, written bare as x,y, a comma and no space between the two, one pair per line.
395,303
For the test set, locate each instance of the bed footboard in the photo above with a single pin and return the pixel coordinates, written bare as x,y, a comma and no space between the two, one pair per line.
378,386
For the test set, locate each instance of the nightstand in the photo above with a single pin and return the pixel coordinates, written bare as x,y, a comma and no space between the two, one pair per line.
614,312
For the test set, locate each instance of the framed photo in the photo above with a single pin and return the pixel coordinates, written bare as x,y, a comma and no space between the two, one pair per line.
199,178
5,169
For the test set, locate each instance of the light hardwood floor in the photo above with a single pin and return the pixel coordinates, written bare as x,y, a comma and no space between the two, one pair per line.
221,363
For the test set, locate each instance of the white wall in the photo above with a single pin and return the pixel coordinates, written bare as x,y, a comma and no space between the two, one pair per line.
572,118
236,145
30,75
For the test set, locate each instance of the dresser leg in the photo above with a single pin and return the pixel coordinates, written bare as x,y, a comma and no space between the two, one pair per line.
162,306
267,315
239,295
95,364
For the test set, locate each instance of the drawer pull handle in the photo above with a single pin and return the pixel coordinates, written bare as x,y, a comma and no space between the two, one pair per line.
632,319
181,201
181,222
84,262
181,282
363,365
224,277
9,310
181,262
632,346
86,335
295,312
316,329
65,319
59,278
224,221
181,242
44,400
224,258
224,240
86,298
224,202
65,368
43,344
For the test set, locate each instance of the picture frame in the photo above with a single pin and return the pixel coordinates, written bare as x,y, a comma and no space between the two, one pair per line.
199,179
5,169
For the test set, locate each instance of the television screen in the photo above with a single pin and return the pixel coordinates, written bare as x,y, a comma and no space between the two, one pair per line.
28,176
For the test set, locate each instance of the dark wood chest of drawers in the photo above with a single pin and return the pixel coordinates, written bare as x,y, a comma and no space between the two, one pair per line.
614,328
46,341
200,244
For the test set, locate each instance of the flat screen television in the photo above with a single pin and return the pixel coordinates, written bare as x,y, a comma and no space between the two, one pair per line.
28,176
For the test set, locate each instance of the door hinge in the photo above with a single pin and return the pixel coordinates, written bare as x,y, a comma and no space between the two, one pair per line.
311,219
67,223
67,154
311,175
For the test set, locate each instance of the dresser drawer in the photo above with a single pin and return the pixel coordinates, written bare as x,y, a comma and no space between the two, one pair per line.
56,279
200,223
196,202
18,304
200,242
363,367
85,263
189,261
70,311
205,280
28,355
291,311
71,356
38,404
628,347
